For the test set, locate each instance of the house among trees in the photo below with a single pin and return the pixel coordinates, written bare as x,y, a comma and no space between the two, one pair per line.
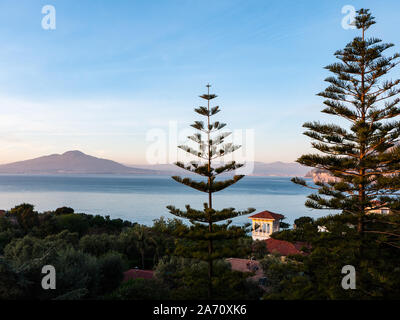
264,224
286,248
378,208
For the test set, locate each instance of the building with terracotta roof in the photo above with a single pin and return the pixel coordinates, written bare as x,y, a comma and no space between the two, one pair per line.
285,248
137,273
264,224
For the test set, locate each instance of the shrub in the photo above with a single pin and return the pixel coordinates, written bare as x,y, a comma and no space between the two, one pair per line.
112,268
140,289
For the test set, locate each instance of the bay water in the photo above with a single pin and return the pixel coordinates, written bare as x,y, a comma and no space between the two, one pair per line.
144,198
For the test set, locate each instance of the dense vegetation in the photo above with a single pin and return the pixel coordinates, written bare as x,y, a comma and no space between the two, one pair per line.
318,275
90,254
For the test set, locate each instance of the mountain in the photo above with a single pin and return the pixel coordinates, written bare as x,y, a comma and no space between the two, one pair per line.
77,162
71,162
278,169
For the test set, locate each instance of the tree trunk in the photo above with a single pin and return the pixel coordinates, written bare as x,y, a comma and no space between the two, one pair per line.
210,242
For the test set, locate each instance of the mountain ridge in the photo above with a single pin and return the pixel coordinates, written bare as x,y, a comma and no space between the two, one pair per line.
70,162
77,162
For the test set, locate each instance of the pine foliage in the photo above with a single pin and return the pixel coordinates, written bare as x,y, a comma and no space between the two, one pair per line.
210,234
363,156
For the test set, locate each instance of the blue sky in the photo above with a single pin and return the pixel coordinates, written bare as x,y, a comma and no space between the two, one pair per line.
113,70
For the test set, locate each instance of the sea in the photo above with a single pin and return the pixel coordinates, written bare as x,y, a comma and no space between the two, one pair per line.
142,199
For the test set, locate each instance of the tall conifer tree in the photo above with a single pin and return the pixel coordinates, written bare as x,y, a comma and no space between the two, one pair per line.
210,229
364,155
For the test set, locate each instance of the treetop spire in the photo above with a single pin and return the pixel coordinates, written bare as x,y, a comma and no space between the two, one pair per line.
364,19
208,96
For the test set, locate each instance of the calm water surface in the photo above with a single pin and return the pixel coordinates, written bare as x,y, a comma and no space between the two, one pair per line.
144,198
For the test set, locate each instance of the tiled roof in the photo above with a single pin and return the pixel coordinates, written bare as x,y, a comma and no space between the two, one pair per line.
267,215
246,265
137,273
282,247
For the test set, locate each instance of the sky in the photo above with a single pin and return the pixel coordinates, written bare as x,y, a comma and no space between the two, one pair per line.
114,73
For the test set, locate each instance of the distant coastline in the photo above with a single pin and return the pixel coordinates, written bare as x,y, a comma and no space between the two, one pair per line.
77,162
